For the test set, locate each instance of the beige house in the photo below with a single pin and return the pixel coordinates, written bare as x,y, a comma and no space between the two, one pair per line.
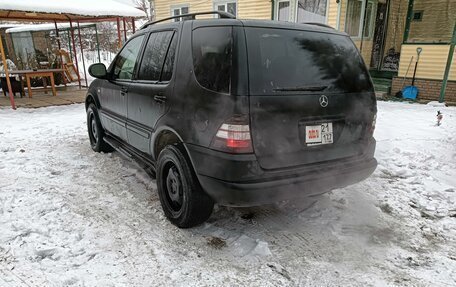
387,33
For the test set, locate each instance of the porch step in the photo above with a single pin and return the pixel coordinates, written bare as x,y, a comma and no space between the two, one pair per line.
382,85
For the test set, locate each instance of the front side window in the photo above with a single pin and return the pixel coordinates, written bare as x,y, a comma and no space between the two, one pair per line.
226,6
126,60
176,11
154,56
283,11
355,15
212,57
311,11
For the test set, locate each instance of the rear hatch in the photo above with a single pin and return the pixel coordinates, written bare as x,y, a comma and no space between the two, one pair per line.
311,98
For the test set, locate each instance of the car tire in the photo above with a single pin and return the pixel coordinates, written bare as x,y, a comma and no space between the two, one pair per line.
183,200
95,130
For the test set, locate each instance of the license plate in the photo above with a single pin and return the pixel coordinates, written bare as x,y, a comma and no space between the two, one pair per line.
319,134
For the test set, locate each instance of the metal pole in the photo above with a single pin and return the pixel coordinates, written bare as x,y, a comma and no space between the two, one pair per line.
448,66
8,82
69,44
125,29
98,43
60,47
119,37
82,54
408,20
133,24
75,55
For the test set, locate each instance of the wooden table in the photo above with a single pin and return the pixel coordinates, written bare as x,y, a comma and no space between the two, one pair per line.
28,74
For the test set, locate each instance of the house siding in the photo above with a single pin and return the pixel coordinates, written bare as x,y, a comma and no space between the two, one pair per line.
396,24
367,50
254,9
437,22
332,14
163,7
247,9
343,14
432,62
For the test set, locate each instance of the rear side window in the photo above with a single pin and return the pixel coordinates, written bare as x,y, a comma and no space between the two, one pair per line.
154,57
287,61
169,61
212,57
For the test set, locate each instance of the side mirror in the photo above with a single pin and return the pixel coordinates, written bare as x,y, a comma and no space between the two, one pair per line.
98,70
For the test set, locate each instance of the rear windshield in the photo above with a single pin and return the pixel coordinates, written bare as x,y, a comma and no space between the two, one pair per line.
292,61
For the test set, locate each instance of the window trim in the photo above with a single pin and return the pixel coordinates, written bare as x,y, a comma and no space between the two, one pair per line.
175,32
420,12
276,12
363,13
215,3
326,12
138,60
178,6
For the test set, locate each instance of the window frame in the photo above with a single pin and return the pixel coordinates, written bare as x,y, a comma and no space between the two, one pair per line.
417,12
217,3
138,60
276,10
175,34
361,24
180,6
326,12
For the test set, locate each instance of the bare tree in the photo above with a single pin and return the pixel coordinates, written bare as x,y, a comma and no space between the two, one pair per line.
145,6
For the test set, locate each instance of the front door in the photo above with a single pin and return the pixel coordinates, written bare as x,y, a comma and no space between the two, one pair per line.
113,97
148,94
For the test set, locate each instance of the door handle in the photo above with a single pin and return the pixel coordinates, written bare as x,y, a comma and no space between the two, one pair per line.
123,91
159,98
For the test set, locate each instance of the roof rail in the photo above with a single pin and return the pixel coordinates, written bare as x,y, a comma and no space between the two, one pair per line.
222,14
318,24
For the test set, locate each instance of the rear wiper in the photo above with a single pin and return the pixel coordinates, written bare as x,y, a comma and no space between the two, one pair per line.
302,88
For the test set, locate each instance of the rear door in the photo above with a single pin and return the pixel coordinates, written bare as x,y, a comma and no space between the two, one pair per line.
114,95
311,98
147,95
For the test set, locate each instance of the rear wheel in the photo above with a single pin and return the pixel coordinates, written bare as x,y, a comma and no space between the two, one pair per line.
95,130
183,200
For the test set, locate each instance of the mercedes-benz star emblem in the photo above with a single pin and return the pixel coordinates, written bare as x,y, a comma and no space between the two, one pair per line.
323,101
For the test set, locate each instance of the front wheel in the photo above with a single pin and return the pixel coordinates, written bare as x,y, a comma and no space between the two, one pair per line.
183,200
95,130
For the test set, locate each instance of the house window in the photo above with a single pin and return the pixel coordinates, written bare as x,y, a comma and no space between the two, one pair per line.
226,6
283,11
311,11
176,11
357,10
417,15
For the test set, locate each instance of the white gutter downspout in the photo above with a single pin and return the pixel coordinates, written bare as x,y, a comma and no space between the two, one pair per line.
338,14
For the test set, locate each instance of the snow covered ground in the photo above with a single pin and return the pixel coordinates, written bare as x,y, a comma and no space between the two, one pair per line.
72,217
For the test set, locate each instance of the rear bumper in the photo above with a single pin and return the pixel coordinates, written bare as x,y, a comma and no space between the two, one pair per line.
238,181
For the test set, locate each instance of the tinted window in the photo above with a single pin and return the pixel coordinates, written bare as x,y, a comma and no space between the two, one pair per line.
154,56
212,57
126,60
285,60
169,61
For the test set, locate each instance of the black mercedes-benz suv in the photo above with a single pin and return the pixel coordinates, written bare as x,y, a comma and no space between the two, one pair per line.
236,112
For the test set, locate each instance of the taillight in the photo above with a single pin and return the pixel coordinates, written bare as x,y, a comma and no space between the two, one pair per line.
374,122
234,136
